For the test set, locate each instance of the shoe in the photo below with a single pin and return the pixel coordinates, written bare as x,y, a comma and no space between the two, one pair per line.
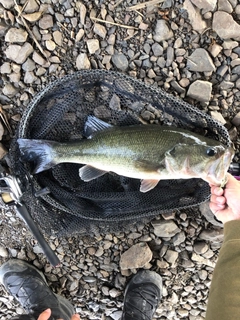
28,285
142,296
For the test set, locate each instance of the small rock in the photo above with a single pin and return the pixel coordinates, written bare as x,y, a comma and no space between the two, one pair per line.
28,65
200,61
170,56
16,35
69,12
120,61
93,45
38,59
157,49
3,252
114,293
100,30
50,45
165,229
200,247
201,260
46,22
29,77
177,87
57,36
179,238
225,26
8,4
229,45
236,120
212,235
162,31
9,90
99,252
200,90
79,35
5,68
215,49
136,257
83,11
218,116
19,54
171,256
82,62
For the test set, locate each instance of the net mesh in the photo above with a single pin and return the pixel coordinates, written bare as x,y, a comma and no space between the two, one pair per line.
110,202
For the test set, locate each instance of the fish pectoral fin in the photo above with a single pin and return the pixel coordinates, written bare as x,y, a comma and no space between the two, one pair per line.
88,173
94,124
148,184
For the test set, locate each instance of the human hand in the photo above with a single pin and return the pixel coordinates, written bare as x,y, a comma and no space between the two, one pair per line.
224,203
45,315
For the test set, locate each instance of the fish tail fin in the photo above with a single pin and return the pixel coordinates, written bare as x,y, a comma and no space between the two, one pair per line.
38,151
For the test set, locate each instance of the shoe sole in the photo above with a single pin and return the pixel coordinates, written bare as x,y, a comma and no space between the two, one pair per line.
20,266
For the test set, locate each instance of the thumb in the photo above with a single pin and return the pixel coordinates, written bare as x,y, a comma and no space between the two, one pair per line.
45,315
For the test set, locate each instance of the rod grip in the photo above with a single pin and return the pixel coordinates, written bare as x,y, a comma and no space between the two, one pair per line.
50,254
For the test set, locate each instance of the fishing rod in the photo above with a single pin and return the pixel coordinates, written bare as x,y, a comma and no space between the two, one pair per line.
11,195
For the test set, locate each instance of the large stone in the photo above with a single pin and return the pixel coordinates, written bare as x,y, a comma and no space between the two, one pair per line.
225,26
200,90
194,16
200,61
206,5
136,257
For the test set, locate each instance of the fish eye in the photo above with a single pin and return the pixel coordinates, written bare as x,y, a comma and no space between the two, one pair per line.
211,152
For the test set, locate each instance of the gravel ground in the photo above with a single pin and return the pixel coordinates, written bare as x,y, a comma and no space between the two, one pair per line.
188,48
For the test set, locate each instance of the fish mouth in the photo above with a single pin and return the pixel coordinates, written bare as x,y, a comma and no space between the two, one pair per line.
218,169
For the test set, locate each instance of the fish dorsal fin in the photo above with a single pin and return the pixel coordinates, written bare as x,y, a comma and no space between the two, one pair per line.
94,124
148,184
88,173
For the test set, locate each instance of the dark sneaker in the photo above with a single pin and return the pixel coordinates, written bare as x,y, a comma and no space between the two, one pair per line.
142,296
28,285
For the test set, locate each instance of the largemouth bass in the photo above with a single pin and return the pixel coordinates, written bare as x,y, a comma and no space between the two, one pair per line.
147,152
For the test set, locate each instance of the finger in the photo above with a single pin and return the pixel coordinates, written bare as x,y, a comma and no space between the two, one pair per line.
217,191
45,315
217,199
75,317
216,207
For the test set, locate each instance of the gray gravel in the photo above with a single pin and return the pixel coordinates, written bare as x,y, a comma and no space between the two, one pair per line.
189,48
